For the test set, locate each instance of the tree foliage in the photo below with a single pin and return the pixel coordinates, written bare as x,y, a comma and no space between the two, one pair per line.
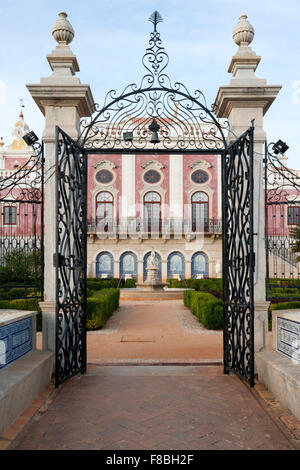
295,234
20,266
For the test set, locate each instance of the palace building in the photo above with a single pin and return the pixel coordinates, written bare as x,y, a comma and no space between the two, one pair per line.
169,203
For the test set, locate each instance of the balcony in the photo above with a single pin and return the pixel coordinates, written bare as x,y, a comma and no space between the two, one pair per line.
140,228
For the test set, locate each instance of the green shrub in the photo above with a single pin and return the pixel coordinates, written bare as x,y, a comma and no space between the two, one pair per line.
100,307
130,284
95,284
20,266
206,307
212,286
281,306
24,304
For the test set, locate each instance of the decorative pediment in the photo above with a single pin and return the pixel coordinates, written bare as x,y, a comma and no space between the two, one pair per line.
153,164
105,164
200,165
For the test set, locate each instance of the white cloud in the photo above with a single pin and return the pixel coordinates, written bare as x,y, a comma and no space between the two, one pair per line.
2,92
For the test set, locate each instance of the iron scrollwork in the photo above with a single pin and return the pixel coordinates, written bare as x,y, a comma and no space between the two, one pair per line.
158,116
22,224
184,120
24,184
282,211
71,258
238,258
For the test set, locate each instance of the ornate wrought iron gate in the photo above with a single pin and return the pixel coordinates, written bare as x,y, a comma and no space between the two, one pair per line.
238,258
155,117
71,244
22,229
282,222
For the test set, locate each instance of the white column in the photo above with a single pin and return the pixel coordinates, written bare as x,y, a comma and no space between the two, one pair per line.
244,99
188,269
176,186
140,276
116,269
63,100
164,270
128,186
219,176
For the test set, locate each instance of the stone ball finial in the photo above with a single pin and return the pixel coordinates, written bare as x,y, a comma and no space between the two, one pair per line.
243,33
62,30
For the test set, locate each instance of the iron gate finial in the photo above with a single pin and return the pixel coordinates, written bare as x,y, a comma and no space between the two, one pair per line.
156,18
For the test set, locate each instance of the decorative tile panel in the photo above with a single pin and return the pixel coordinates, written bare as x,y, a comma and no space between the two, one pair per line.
15,341
288,338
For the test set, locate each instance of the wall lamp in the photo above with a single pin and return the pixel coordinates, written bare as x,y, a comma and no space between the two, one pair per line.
280,147
30,138
128,136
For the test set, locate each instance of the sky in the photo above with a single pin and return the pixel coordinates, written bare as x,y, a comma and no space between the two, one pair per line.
111,37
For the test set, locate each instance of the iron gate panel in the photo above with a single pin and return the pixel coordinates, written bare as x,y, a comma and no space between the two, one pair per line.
282,211
22,229
71,258
238,258
156,116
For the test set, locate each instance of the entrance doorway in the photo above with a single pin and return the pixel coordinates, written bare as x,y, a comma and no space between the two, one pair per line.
155,118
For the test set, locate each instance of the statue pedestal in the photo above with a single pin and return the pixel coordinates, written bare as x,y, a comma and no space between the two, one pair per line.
151,287
153,276
153,281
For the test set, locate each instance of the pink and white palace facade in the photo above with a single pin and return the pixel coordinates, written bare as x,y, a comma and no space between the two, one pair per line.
136,203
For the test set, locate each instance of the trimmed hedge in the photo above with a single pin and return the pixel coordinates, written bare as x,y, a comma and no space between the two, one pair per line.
212,286
206,307
95,284
281,306
24,304
282,288
17,293
100,307
130,284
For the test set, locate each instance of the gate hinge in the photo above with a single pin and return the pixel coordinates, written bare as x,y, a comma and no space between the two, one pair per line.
253,261
58,260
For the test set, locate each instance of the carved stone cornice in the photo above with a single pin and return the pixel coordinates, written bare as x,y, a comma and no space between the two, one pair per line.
153,164
105,164
200,164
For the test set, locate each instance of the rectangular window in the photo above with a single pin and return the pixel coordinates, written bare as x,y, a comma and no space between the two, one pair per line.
9,215
293,215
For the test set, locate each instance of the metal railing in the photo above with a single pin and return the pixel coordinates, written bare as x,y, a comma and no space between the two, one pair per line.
282,247
140,226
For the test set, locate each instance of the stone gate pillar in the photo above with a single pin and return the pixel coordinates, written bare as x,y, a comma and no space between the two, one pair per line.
245,98
63,100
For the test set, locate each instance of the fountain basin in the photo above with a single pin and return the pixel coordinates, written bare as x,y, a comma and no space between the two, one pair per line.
142,294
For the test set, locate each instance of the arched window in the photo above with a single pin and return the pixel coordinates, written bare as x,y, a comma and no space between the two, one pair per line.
176,265
128,265
152,211
199,265
104,208
104,265
200,211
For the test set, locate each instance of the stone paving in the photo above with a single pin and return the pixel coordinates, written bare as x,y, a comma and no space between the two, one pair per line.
164,407
154,332
154,407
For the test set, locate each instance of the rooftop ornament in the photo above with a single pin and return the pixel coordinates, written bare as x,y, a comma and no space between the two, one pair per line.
62,30
243,33
156,18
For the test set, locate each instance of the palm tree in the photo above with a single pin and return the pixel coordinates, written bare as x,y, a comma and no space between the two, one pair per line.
295,235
